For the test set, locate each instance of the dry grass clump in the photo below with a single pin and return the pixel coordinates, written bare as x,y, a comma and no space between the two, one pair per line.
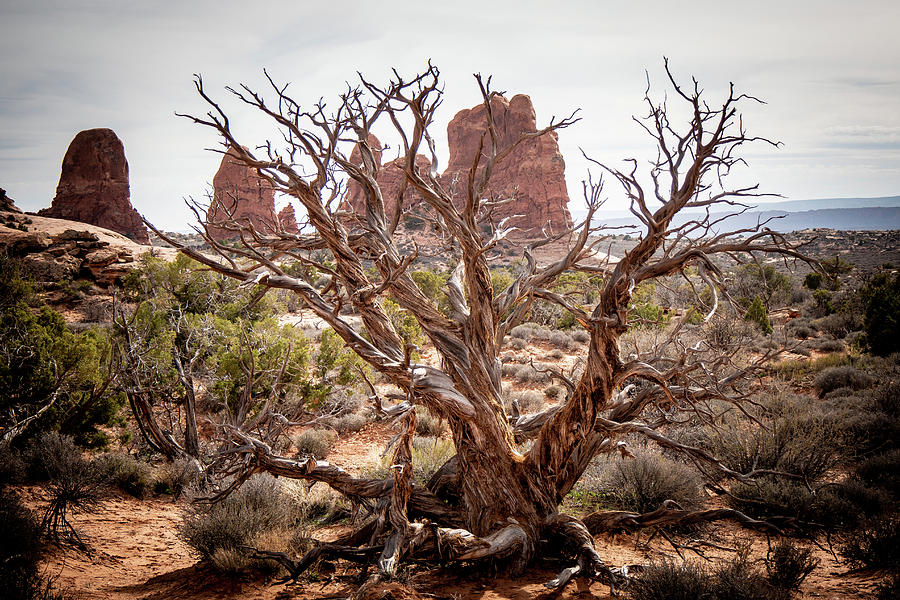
428,424
127,473
738,579
315,442
176,477
643,483
259,514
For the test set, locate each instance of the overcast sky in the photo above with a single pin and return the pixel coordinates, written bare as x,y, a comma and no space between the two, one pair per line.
828,70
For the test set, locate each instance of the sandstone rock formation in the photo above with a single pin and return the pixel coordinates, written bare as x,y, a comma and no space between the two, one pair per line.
93,186
242,195
288,219
6,203
390,178
533,174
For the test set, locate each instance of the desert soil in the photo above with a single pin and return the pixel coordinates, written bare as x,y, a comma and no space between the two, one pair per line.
135,554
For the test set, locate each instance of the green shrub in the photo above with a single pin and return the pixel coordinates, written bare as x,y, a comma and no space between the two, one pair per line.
882,313
812,281
127,473
315,442
788,565
643,483
756,314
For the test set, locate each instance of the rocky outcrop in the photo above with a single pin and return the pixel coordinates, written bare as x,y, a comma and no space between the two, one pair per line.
69,254
6,203
533,174
288,219
93,186
390,178
240,194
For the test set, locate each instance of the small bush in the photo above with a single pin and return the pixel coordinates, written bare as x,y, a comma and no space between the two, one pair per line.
739,579
889,589
829,345
838,377
74,485
756,314
788,565
643,483
522,332
47,450
176,477
12,467
428,455
518,343
669,581
553,392
883,471
20,549
561,339
127,473
581,336
315,442
260,513
429,424
529,401
349,423
876,544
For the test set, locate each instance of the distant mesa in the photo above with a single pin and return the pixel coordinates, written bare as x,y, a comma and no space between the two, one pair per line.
240,196
532,176
93,186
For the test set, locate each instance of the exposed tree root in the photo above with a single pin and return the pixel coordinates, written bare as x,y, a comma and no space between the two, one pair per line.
574,536
671,514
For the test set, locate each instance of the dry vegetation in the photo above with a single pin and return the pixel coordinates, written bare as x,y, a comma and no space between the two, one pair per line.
721,428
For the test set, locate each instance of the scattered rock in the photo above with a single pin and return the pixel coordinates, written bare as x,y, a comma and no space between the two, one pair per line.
93,186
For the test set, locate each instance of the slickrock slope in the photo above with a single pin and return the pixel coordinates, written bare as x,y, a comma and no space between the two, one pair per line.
93,186
240,192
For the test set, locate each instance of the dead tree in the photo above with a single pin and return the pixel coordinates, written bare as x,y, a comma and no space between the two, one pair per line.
493,500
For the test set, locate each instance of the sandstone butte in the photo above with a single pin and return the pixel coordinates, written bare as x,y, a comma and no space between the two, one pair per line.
93,186
240,192
533,174
288,219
